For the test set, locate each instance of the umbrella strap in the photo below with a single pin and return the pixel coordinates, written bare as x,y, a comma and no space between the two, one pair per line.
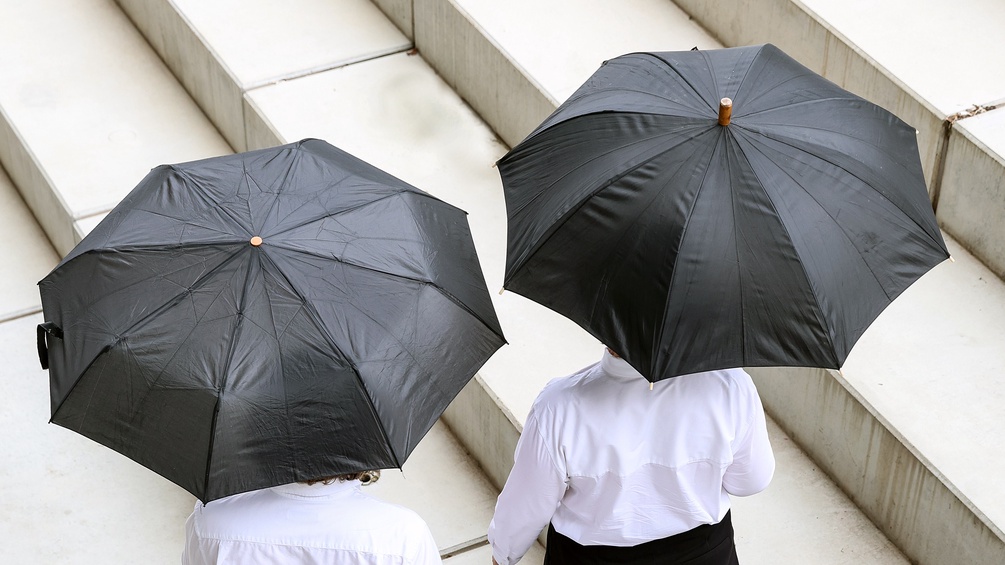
47,328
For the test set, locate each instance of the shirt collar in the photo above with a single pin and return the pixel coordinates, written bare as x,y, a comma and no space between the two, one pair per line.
317,491
618,368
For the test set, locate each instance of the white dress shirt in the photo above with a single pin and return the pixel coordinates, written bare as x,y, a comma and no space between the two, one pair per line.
610,462
317,524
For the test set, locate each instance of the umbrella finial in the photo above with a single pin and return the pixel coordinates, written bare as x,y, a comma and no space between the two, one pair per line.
256,241
725,111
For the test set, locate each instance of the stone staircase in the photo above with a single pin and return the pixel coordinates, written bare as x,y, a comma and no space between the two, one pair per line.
892,453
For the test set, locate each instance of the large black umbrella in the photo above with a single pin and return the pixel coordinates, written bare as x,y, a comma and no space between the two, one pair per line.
262,318
687,245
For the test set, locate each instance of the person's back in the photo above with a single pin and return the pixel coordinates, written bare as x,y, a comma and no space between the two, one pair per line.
610,462
307,524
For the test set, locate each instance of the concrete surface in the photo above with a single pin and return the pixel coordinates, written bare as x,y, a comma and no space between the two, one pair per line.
922,47
221,49
905,427
27,253
515,70
67,499
972,194
89,110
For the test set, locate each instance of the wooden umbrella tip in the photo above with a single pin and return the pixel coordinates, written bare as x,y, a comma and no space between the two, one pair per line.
725,111
256,241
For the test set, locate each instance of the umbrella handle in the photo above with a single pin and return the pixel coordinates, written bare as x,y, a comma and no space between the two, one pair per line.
43,350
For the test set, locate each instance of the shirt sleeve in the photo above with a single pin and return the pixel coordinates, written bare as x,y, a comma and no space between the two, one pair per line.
425,551
527,502
753,460
198,551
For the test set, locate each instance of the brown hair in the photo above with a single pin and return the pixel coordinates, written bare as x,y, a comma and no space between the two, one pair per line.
365,477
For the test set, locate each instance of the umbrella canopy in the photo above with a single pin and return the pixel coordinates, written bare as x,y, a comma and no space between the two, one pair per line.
267,317
687,245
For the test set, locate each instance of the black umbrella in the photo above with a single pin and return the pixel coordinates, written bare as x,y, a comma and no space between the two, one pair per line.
772,240
268,317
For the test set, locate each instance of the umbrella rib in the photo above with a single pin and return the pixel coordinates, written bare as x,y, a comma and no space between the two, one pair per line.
675,134
818,310
276,332
442,291
683,78
739,83
853,175
167,304
331,343
238,324
791,105
151,247
198,190
180,220
217,205
332,214
638,217
297,156
658,336
736,251
748,101
571,212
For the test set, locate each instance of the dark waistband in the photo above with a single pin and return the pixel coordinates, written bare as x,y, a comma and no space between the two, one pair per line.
705,544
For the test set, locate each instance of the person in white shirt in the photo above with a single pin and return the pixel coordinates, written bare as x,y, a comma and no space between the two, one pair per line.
628,474
325,522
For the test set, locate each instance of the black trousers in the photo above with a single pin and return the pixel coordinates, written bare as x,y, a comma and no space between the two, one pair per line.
710,544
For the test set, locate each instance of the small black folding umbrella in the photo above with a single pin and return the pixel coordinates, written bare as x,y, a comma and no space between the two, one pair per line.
689,239
267,317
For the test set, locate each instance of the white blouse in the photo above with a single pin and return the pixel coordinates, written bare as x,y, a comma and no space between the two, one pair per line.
318,524
610,462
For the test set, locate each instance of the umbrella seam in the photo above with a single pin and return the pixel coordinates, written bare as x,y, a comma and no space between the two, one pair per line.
238,325
600,186
634,142
750,65
850,98
276,332
658,337
332,214
574,98
431,283
167,304
727,137
682,77
316,318
200,192
818,310
217,205
297,156
102,351
604,281
850,174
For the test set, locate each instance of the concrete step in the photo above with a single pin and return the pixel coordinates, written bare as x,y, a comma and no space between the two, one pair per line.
221,50
905,427
66,498
87,110
29,254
